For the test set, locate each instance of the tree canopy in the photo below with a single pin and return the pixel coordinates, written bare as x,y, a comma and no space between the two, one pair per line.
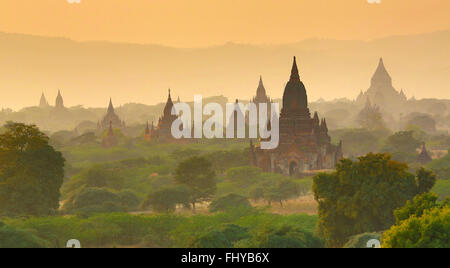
31,172
431,230
361,196
403,141
198,175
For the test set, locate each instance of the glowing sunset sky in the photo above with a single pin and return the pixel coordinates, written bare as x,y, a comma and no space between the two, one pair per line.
190,23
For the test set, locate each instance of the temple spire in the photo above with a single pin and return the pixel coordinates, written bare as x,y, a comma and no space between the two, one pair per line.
59,100
424,156
110,106
294,72
169,106
43,102
381,75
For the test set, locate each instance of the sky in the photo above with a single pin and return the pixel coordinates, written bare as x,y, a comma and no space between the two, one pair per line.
199,23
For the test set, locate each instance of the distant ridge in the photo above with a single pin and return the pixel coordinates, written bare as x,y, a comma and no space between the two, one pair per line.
89,72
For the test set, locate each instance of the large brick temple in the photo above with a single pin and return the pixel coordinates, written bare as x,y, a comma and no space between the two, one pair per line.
304,145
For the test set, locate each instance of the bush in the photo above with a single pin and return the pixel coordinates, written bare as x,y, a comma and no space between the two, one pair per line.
214,239
95,197
230,201
286,236
96,176
361,240
129,199
11,237
224,237
89,201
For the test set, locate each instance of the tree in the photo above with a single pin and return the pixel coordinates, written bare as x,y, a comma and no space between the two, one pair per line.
167,198
31,172
431,230
129,199
197,174
360,197
230,201
417,208
283,190
423,121
256,193
89,201
96,176
402,141
243,176
425,180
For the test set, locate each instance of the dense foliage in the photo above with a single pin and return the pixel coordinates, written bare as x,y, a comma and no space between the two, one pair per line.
167,198
229,202
238,228
11,237
31,172
197,175
431,230
361,196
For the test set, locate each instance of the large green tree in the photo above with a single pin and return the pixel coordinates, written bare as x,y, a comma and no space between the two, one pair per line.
198,175
31,172
361,196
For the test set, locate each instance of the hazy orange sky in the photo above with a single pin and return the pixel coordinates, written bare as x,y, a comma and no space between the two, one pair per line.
193,23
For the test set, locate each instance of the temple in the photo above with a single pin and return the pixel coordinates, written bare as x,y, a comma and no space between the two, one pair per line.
381,91
148,132
109,140
163,131
424,157
59,103
261,97
304,144
110,118
43,103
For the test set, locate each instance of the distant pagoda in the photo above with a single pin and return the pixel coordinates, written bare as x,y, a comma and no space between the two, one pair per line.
261,97
43,103
424,157
111,118
59,102
381,91
148,132
163,131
